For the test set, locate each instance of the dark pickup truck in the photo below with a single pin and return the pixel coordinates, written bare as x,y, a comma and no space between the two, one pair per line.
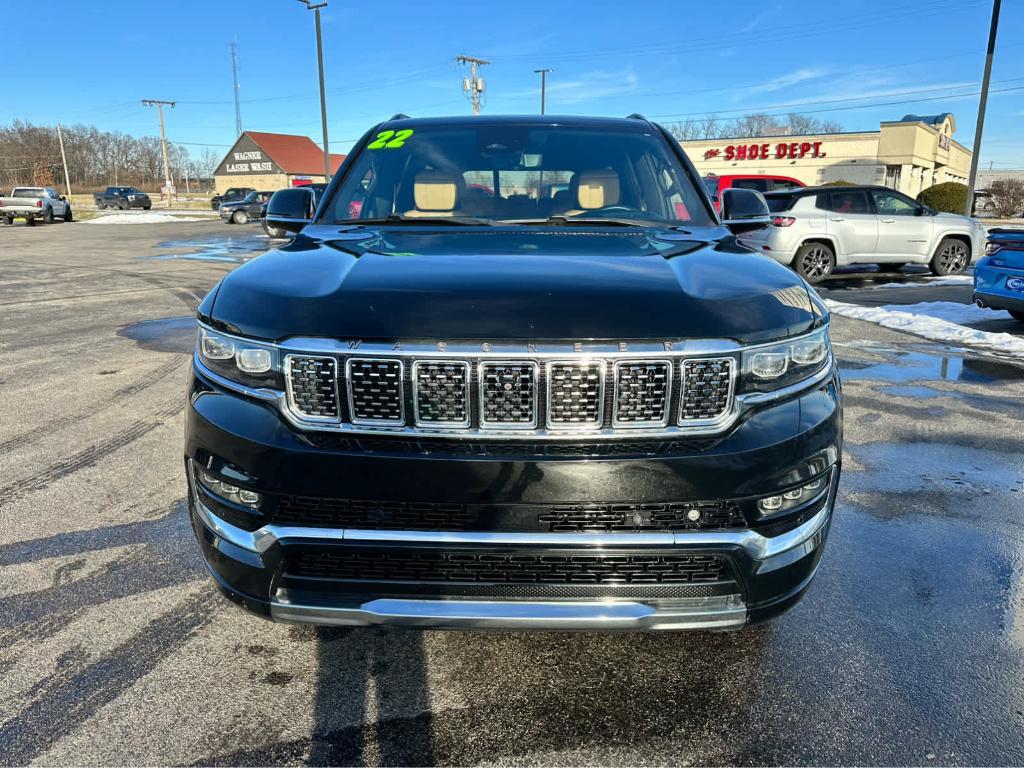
230,195
535,382
122,198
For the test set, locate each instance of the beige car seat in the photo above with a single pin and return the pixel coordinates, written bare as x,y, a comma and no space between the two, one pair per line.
435,193
593,190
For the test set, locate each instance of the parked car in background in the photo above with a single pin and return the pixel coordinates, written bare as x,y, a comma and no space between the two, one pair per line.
35,204
813,229
761,182
231,195
122,198
313,190
245,210
999,274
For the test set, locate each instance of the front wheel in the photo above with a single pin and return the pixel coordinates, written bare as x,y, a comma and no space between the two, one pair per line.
122,206
1017,315
68,215
274,232
146,207
240,217
8,220
814,262
951,257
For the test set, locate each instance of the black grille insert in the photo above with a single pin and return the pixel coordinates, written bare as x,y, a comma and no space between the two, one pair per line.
375,391
441,392
575,394
642,392
313,386
707,389
312,511
432,566
508,394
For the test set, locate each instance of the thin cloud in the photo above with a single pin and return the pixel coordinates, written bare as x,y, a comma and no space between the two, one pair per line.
598,84
787,80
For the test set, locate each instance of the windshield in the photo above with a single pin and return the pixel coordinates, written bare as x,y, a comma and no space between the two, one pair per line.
711,185
251,197
505,173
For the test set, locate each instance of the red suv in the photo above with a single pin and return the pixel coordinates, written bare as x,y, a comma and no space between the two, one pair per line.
760,182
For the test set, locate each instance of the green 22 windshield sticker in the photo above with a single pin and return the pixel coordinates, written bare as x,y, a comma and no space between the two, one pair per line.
390,139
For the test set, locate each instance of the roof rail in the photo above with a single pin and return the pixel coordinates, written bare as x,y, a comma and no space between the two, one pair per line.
636,116
400,116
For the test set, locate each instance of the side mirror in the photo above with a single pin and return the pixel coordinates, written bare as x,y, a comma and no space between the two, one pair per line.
290,209
744,210
922,210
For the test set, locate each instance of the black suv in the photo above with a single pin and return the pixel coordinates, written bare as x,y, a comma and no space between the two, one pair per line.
533,382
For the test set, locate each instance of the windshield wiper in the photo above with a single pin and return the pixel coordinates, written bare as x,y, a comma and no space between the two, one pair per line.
598,222
398,218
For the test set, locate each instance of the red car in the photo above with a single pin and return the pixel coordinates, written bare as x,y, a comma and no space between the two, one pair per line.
759,182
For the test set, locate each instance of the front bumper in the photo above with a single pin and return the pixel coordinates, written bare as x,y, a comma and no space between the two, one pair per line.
770,567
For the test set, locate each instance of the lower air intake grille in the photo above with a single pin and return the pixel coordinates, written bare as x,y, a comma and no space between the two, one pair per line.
707,388
641,393
353,513
680,516
441,393
508,394
312,382
375,391
575,394
447,566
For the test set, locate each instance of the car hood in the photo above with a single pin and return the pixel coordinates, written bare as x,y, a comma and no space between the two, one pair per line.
954,218
553,284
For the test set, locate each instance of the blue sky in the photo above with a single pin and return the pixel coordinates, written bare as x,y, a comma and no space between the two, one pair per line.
668,60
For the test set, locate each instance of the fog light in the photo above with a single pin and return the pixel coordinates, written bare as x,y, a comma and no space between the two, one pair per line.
770,503
814,484
249,497
693,515
769,365
793,495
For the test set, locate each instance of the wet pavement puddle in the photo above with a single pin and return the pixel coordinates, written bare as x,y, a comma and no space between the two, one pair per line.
167,334
223,248
921,363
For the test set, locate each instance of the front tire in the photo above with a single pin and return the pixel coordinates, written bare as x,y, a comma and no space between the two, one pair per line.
68,215
240,217
951,257
146,207
274,232
9,220
1017,315
122,206
814,262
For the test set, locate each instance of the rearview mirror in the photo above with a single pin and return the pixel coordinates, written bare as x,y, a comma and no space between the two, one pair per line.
744,210
290,209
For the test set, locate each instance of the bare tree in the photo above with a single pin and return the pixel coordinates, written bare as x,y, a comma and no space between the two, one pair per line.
752,126
1007,197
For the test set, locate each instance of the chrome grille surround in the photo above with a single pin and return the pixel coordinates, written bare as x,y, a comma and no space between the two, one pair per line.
706,388
337,352
503,387
441,388
376,390
647,394
575,394
311,387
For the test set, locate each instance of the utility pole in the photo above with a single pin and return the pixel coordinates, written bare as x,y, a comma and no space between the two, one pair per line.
64,159
982,103
315,7
234,77
543,85
473,85
163,141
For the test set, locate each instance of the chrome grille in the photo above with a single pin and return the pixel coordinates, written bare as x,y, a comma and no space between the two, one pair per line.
707,389
313,386
375,391
441,393
642,393
508,394
575,394
660,516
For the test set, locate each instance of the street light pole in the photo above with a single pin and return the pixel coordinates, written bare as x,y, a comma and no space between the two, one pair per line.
982,103
543,86
315,7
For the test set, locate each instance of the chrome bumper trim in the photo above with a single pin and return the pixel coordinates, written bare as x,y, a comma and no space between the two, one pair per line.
723,612
773,552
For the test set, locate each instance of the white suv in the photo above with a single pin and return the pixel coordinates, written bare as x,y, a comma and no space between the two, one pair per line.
815,228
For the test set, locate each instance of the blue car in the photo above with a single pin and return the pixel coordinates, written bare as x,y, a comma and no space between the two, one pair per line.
999,275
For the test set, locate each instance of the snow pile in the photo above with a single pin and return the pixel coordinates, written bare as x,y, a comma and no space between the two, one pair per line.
141,218
938,321
942,280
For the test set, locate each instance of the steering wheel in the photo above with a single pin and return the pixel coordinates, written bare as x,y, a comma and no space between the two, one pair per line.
608,210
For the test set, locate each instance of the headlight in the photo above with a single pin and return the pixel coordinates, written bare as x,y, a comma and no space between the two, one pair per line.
773,367
246,362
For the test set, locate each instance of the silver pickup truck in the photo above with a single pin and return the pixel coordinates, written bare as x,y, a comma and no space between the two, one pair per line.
32,203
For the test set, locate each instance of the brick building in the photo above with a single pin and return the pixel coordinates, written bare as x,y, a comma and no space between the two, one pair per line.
269,161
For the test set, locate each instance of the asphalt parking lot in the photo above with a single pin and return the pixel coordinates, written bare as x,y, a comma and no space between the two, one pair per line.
115,647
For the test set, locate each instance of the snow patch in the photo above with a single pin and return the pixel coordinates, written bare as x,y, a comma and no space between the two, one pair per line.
141,218
943,280
938,321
